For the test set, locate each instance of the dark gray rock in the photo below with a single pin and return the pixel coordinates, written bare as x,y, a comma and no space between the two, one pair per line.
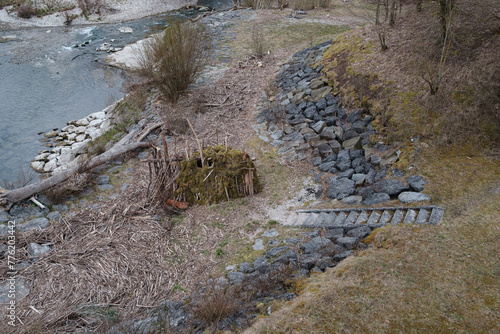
275,251
4,216
287,257
270,233
235,277
358,162
335,233
327,166
357,154
36,250
273,242
39,223
172,313
330,158
416,182
19,211
328,133
352,200
316,161
104,187
410,197
335,145
60,207
370,176
291,241
54,215
102,179
343,160
341,113
319,245
308,261
347,242
293,136
375,159
359,232
325,150
381,174
376,198
358,178
365,192
341,256
347,174
390,186
340,188
261,264
246,268
318,126
354,115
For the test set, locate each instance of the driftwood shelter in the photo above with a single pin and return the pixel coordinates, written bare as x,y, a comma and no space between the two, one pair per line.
217,175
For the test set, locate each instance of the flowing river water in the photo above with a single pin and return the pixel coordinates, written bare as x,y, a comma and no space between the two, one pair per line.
46,81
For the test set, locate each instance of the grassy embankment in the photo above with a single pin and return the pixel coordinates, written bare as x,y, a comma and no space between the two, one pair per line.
418,279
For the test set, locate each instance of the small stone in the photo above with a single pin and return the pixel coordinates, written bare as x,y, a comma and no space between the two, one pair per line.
246,268
347,242
365,191
291,241
258,245
37,250
54,215
376,198
409,197
273,252
340,188
359,232
270,233
335,233
358,178
235,277
353,143
416,182
390,186
341,256
273,242
352,200
261,264
320,245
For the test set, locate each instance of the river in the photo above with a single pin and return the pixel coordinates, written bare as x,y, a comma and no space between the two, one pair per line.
46,81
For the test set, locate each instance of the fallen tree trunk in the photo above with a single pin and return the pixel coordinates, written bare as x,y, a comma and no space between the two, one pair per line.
123,146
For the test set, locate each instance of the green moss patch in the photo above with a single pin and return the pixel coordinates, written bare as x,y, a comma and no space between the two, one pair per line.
225,174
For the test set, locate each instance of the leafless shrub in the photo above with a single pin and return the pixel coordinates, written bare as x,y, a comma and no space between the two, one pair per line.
89,7
257,41
215,303
172,61
26,10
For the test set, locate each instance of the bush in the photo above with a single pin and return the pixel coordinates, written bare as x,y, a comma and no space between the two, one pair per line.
26,10
89,7
173,61
215,303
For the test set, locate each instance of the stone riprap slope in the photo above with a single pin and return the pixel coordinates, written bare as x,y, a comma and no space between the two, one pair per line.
306,121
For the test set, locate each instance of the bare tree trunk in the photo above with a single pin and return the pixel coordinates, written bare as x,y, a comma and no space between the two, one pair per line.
123,146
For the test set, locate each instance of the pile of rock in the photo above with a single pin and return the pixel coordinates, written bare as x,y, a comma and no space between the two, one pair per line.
337,141
70,143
